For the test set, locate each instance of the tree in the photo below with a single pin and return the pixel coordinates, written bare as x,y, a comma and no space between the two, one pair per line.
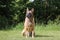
13,12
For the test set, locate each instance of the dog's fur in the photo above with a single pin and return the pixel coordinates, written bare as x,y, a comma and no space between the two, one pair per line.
29,24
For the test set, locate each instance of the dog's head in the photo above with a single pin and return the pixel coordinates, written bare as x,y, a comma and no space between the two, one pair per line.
29,12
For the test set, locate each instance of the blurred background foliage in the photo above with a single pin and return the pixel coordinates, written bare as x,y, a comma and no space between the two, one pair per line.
13,12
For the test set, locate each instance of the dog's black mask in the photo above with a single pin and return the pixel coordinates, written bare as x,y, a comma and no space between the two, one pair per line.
28,15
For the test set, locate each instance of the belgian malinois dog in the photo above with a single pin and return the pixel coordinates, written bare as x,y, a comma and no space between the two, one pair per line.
29,24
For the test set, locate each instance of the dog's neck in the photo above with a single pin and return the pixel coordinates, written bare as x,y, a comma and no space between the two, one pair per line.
30,19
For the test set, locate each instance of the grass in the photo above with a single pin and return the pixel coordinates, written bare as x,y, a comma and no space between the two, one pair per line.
40,35
48,32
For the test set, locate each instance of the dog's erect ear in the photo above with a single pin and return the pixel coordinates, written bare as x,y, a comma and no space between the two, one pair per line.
32,9
27,10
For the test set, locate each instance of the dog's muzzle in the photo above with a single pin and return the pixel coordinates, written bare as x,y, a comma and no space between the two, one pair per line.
28,15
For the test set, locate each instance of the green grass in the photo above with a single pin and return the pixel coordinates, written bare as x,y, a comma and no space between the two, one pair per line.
40,35
48,32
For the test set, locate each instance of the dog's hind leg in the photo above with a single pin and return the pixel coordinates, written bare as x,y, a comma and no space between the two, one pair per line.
23,32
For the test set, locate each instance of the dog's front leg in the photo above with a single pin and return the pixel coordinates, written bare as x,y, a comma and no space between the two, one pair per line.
27,34
33,34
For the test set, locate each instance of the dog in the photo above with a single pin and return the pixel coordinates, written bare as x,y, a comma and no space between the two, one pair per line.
29,24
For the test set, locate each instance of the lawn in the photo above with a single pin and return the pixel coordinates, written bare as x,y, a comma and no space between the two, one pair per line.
41,33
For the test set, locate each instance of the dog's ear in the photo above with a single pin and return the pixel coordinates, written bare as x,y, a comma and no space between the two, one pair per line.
32,9
27,10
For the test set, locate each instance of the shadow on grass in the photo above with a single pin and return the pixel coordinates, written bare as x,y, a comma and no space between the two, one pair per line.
43,36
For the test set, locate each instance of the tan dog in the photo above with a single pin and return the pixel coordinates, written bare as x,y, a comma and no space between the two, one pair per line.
29,24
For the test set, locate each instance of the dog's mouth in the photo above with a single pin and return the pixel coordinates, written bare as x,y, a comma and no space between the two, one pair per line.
29,15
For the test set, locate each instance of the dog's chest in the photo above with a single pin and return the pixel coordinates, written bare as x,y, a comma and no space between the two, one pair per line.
28,23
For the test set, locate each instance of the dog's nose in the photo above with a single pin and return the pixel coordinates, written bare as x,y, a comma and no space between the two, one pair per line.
28,15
